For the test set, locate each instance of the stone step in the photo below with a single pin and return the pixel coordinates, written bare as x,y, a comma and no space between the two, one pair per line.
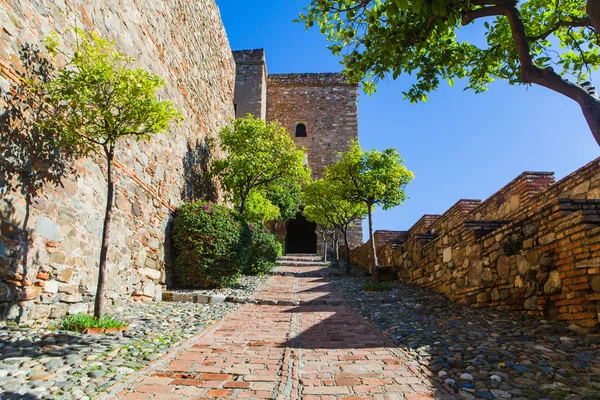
290,263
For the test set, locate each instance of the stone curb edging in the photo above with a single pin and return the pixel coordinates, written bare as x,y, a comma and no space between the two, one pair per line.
212,299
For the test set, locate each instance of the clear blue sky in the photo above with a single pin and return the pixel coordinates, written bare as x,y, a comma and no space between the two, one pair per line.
458,144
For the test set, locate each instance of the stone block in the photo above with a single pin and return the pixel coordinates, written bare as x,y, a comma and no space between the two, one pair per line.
495,294
483,297
202,299
47,228
531,303
149,273
149,289
29,293
596,283
217,298
447,255
504,266
523,265
72,298
158,293
554,284
78,308
51,286
65,275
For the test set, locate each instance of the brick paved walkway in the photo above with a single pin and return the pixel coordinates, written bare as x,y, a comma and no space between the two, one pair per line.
284,352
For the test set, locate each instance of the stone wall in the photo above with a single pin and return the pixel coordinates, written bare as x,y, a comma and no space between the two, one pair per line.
327,104
534,247
250,83
183,42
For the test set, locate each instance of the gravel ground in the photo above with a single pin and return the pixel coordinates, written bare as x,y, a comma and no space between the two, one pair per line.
43,363
483,353
246,287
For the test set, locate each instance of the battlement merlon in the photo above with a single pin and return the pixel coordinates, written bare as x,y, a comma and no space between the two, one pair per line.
251,56
310,79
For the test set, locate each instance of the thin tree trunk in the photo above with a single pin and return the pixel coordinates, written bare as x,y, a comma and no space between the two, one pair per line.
348,269
336,243
24,236
325,246
373,250
99,304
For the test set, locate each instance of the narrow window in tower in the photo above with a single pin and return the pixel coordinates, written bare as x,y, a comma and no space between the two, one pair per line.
300,129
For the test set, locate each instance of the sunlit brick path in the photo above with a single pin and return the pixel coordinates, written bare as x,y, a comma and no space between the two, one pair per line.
309,351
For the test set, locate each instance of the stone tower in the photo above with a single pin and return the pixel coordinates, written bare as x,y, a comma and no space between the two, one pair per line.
319,112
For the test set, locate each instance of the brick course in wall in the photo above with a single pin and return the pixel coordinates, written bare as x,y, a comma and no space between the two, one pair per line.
534,246
184,43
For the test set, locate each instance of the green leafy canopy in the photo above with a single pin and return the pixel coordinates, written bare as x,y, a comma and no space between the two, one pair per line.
325,205
370,177
421,38
263,172
104,96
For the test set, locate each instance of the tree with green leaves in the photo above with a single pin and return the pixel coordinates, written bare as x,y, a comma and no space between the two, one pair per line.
104,99
262,171
542,42
371,178
324,204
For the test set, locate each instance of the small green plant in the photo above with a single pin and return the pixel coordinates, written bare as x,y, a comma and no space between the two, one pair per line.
377,287
80,322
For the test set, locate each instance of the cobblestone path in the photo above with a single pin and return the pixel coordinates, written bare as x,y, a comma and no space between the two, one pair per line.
308,351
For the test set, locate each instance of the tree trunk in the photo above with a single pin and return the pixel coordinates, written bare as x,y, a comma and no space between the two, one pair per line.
325,249
373,250
593,10
99,305
336,243
348,269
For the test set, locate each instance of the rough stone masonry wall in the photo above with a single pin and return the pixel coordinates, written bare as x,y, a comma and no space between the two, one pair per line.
533,247
327,104
250,83
183,42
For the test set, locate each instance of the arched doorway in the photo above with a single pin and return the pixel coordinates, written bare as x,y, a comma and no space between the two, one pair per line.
301,236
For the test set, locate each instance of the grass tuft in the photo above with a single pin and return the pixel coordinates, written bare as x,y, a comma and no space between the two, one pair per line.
80,322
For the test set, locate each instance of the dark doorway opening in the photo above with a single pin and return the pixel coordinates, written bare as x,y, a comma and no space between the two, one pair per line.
301,236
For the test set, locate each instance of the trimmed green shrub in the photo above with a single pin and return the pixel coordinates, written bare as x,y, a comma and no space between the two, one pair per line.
212,244
264,251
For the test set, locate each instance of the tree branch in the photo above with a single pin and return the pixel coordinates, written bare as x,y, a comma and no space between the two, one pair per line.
472,15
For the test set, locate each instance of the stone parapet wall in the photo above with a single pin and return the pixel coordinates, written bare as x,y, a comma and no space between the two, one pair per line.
182,42
534,247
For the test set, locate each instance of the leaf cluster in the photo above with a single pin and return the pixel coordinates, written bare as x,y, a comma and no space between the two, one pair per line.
104,97
378,38
263,172
372,178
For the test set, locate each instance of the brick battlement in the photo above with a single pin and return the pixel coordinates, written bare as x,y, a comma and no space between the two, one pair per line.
533,246
313,79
